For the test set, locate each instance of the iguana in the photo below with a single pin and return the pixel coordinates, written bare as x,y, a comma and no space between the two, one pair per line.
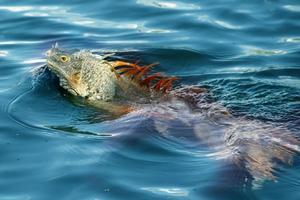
112,84
109,84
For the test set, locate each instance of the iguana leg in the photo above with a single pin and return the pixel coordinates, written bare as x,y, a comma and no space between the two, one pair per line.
113,108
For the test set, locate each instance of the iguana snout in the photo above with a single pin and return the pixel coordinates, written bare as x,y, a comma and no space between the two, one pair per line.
67,65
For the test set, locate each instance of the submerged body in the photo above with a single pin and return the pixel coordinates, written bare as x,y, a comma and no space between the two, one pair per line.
112,86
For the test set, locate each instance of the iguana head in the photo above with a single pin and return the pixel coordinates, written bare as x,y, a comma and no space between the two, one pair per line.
67,65
82,73
89,75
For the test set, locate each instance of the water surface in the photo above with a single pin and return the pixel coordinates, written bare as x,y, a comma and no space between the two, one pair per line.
246,53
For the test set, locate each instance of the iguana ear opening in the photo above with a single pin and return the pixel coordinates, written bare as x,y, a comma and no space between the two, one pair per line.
75,78
77,85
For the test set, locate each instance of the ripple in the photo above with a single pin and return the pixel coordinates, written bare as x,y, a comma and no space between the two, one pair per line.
169,4
3,53
252,50
123,42
288,81
221,23
15,197
69,17
36,14
65,15
13,42
290,40
294,8
144,29
34,61
29,8
16,8
180,192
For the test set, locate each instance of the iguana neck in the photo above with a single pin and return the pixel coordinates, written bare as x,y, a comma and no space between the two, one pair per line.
99,80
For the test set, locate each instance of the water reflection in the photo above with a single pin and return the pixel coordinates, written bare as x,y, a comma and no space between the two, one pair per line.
221,23
3,53
293,8
251,50
168,191
169,4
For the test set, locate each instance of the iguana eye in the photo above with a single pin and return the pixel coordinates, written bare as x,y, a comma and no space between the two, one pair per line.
64,58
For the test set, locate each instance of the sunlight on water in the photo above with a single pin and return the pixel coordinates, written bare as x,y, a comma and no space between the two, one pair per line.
292,40
34,61
221,23
294,8
18,42
251,50
16,8
3,53
142,28
237,69
288,81
169,4
36,14
168,191
33,10
123,42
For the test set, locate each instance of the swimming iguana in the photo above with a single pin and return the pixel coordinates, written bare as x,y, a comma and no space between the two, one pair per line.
100,81
110,84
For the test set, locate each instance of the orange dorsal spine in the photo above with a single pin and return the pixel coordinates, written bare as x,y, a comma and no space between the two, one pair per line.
139,74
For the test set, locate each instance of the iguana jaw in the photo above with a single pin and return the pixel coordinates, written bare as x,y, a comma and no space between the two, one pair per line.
71,82
57,70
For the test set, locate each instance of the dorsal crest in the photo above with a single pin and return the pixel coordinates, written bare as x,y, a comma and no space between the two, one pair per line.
142,75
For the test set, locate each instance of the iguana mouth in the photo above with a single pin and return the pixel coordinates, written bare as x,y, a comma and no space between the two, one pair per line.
63,77
59,71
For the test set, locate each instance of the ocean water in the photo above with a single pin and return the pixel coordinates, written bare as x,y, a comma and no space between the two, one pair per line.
245,53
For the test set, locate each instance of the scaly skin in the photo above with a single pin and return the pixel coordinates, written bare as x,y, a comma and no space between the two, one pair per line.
100,81
82,74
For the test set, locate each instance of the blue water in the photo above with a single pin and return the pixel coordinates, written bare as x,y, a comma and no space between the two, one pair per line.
246,53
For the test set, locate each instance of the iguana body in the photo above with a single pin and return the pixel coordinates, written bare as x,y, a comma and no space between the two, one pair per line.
92,76
252,146
101,81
